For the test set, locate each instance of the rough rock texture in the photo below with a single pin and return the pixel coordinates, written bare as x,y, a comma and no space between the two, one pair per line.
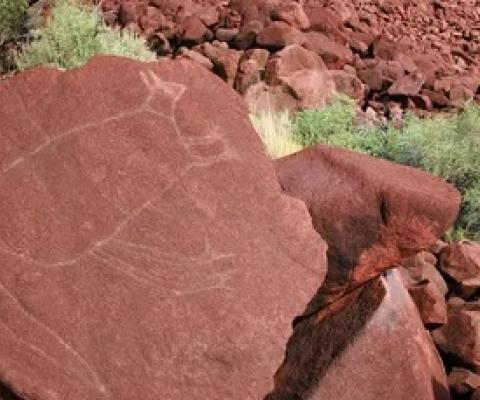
142,254
427,287
460,336
421,55
462,381
372,213
378,360
461,262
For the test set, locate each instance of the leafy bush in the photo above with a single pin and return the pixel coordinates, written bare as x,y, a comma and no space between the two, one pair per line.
74,34
446,146
12,14
314,126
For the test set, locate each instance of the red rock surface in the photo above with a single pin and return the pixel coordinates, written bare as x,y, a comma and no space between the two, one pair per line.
461,262
460,336
365,351
146,249
372,213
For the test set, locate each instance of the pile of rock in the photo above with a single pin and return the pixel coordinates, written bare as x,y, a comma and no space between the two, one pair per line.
150,249
445,285
388,54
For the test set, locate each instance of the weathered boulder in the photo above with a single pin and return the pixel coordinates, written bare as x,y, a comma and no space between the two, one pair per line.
146,249
427,287
422,267
312,88
278,35
334,54
261,97
348,83
430,303
290,60
463,381
407,85
372,346
461,262
293,14
372,213
460,336
225,60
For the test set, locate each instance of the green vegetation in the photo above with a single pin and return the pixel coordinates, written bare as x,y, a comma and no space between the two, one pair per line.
74,34
12,16
446,146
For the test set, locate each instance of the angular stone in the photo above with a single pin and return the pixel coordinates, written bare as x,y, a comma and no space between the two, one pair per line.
325,21
437,97
430,303
208,15
263,98
334,54
348,83
461,335
247,35
193,30
293,14
255,10
290,60
130,11
146,248
196,57
363,349
463,381
422,267
312,88
152,21
376,214
250,71
226,34
407,85
278,35
224,59
461,262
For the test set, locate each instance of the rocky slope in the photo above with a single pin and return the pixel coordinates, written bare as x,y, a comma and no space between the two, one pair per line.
389,54
149,249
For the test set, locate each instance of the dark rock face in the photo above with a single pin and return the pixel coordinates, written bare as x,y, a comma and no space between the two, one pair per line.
404,364
372,213
142,256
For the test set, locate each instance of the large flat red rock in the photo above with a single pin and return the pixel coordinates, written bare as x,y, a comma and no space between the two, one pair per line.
146,249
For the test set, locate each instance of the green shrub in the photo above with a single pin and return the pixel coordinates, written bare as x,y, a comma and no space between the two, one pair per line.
74,34
446,146
12,16
314,126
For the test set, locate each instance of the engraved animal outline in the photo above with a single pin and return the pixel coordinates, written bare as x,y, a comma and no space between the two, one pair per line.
154,84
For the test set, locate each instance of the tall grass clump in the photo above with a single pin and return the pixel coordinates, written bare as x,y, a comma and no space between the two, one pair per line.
12,17
275,131
445,145
74,34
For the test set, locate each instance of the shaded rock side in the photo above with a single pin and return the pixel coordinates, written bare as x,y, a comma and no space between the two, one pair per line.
372,213
372,347
147,251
